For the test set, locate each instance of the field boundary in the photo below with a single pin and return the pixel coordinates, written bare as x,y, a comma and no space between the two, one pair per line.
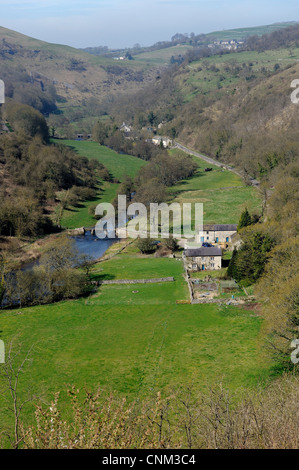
137,281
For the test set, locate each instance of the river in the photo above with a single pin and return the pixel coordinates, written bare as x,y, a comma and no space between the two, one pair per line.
87,244
92,246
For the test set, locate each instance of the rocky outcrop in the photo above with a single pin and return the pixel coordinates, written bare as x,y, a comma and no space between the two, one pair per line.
77,231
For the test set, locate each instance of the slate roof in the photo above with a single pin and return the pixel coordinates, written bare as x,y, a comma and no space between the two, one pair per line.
220,227
203,251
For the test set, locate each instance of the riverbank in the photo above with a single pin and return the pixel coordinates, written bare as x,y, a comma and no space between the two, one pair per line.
18,252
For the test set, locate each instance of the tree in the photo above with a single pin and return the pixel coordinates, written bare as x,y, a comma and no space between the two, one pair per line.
170,244
151,118
248,263
173,133
245,220
100,132
56,277
10,375
57,271
28,120
149,192
278,290
232,270
2,277
146,245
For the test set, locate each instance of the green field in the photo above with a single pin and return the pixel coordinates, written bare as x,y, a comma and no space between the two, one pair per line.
243,33
79,216
220,71
135,340
117,165
162,56
130,265
223,194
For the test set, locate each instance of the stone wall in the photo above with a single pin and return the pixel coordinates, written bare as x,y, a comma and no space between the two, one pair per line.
137,281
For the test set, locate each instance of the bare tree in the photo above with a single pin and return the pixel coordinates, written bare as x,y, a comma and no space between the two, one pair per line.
10,375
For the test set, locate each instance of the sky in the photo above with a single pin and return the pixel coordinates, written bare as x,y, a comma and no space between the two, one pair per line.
123,23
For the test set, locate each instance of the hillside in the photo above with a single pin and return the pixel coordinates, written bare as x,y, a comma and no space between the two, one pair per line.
243,33
161,328
76,81
235,107
80,84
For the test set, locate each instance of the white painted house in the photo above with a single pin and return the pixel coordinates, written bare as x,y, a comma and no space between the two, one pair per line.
165,140
125,128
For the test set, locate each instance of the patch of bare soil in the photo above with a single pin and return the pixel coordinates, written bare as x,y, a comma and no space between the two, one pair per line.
254,307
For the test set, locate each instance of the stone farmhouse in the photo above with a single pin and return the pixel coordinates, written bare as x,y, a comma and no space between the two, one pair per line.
216,233
203,258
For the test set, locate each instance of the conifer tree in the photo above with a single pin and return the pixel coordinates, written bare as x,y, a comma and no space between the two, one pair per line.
245,219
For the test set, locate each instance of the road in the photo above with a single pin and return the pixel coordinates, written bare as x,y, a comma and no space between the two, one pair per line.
210,160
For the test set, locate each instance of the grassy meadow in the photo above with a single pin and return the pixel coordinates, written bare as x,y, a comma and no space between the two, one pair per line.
162,56
79,216
135,340
222,192
117,165
220,72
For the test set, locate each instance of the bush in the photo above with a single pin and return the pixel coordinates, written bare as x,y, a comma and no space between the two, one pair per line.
28,120
146,245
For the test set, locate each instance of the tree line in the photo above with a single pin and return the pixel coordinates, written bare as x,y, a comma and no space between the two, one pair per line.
34,171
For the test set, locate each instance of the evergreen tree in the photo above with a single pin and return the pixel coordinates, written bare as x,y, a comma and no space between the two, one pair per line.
245,219
232,269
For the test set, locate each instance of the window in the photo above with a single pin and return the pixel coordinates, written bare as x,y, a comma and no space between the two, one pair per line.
202,239
212,258
212,265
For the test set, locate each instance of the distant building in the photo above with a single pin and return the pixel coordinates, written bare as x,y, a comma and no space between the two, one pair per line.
157,140
213,233
161,124
3,128
231,44
203,258
125,128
